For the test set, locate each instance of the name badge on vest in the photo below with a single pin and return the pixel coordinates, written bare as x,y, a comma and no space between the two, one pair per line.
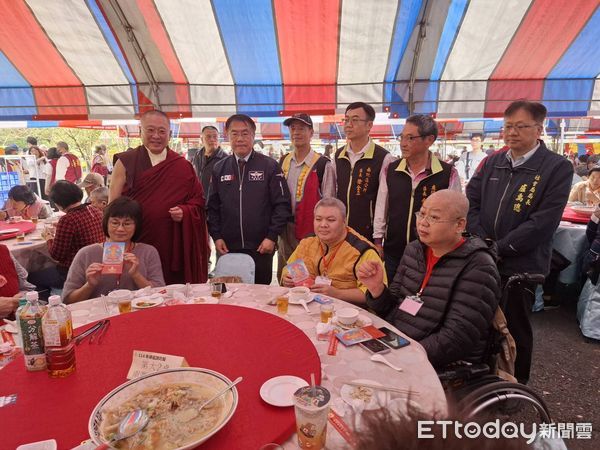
323,280
227,178
411,305
256,175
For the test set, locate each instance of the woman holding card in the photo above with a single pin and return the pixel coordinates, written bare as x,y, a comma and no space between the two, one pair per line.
119,263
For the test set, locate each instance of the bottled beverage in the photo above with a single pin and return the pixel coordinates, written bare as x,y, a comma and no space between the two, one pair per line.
58,333
29,319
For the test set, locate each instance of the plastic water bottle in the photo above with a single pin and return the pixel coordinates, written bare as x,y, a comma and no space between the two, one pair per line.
29,319
57,325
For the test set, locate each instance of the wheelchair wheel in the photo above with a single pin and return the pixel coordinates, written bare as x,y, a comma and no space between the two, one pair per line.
489,395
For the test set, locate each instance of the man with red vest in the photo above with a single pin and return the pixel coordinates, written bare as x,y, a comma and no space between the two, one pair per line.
310,177
68,166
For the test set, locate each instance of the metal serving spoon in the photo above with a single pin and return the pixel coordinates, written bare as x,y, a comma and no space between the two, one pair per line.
218,394
132,423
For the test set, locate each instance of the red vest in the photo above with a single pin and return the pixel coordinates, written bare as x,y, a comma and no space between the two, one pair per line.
73,173
8,271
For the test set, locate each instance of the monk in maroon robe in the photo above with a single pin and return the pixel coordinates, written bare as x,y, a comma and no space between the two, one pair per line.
166,185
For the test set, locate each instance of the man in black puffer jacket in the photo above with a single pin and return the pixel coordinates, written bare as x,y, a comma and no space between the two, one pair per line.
447,287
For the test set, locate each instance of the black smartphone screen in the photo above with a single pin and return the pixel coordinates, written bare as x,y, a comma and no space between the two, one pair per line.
393,339
375,346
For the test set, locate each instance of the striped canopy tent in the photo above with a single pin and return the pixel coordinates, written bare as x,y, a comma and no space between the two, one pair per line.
101,59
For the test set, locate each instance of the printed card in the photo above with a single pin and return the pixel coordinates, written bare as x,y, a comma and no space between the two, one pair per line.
298,272
148,362
112,258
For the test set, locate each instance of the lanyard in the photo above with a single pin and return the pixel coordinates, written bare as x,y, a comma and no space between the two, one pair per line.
327,263
431,261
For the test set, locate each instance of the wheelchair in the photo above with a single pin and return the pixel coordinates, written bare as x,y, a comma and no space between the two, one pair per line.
475,391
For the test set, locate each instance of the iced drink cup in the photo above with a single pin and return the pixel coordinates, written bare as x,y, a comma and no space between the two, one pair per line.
311,405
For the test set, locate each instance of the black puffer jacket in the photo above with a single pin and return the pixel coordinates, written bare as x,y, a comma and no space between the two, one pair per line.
459,301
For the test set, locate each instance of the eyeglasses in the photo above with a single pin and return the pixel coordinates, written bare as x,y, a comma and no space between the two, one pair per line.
411,138
518,128
124,224
353,120
432,220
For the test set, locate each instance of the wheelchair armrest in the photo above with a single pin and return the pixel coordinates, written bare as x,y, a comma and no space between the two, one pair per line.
463,372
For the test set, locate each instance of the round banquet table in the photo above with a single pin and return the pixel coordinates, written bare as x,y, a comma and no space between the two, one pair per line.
32,253
25,226
241,336
232,340
571,216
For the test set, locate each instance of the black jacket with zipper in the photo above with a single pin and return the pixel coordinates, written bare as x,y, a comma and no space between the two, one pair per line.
244,213
459,300
520,208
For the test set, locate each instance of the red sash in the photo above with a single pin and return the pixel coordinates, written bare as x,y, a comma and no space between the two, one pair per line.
305,208
98,167
8,271
53,163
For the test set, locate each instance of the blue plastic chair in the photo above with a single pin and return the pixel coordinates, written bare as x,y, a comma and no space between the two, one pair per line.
235,264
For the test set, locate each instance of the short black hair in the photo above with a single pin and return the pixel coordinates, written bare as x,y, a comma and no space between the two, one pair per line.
535,109
65,193
22,194
425,124
594,169
31,140
365,106
240,118
62,144
583,158
209,127
479,135
124,208
53,153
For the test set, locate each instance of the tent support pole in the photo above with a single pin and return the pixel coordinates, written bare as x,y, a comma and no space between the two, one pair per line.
415,61
138,50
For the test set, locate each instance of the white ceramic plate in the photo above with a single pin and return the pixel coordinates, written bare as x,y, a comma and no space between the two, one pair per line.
279,391
9,230
362,321
147,302
204,377
585,211
377,399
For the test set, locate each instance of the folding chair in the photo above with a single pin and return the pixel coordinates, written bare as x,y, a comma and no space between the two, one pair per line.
235,264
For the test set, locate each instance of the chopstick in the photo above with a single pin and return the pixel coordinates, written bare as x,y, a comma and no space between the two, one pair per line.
93,329
377,387
103,332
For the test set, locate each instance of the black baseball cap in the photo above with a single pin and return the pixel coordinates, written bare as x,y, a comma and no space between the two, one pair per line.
302,117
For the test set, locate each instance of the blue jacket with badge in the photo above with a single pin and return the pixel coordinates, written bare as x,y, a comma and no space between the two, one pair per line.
520,208
244,213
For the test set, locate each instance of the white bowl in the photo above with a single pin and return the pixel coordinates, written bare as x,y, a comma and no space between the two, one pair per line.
120,294
347,316
299,293
204,377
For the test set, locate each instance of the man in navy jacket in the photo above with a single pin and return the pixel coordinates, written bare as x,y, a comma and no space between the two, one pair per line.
517,197
249,200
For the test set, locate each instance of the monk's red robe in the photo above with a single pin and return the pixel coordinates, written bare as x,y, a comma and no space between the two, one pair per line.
182,246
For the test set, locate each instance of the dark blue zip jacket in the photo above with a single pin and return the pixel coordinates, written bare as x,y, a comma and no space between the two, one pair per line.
520,208
260,208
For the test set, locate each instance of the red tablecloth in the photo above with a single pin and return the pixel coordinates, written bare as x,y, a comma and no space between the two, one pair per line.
232,340
23,226
570,216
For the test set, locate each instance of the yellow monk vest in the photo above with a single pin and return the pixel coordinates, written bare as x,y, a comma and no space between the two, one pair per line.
342,269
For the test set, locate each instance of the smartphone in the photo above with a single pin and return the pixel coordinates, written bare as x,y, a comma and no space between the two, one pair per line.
375,346
392,339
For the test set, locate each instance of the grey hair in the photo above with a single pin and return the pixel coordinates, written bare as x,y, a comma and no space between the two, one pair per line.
100,194
331,202
425,124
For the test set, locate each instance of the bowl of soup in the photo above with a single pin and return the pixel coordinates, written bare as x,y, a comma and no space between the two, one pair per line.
171,398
